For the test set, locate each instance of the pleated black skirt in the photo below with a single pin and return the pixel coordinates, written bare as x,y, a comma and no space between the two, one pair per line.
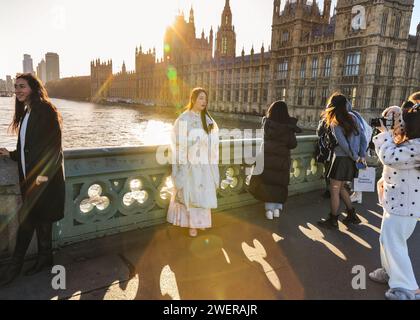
342,169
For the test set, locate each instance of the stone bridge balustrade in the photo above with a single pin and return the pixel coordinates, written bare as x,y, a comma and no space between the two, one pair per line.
112,190
10,201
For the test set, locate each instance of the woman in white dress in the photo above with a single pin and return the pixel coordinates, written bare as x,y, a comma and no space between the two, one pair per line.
195,170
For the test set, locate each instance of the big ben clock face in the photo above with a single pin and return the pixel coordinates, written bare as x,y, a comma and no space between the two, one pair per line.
358,22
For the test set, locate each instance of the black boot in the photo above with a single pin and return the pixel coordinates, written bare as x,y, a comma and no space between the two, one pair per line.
23,239
12,271
45,258
330,223
351,217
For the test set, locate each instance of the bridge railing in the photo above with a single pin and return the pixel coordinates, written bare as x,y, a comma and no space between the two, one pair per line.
112,190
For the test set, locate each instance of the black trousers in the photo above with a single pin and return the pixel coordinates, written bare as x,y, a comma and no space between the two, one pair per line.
24,236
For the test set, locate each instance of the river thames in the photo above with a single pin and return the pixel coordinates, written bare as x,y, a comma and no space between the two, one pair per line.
89,125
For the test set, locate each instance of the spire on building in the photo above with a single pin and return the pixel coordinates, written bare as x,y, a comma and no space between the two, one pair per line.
276,10
226,15
191,20
327,9
226,37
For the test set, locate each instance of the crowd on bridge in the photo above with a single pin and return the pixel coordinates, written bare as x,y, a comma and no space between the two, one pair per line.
344,141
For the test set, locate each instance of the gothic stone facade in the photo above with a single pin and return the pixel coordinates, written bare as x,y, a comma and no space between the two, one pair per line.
364,50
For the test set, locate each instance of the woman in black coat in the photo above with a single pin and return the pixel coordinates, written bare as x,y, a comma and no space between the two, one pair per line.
271,186
39,156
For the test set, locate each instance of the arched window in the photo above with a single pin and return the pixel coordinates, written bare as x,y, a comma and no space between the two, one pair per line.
285,36
384,23
397,26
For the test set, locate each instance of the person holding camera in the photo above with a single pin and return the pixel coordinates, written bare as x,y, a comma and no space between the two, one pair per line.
349,152
399,195
391,119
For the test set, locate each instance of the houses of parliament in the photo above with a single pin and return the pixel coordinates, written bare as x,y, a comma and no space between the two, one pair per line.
363,50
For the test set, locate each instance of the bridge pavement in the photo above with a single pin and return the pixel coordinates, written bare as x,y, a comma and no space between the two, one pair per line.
244,256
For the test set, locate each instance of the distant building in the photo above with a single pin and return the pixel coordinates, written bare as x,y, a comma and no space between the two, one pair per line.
27,64
2,86
124,84
9,84
226,36
364,50
100,77
52,61
41,71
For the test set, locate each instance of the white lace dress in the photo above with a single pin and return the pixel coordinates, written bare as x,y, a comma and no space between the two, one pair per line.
195,172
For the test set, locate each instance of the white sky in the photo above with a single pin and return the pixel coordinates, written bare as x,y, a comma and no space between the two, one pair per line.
83,30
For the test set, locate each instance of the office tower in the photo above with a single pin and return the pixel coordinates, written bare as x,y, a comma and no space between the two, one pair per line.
27,64
52,66
41,71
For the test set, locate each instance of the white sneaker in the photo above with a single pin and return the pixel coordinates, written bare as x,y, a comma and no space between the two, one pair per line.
269,214
356,197
379,275
276,213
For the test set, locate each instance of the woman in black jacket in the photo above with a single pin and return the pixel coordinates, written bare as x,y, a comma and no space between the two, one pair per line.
271,186
39,156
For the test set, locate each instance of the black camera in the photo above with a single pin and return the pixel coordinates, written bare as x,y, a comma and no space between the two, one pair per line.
388,123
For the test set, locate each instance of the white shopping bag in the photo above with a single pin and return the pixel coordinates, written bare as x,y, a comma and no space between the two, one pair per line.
366,180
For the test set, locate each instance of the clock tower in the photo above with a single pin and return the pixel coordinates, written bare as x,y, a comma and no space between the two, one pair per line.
226,36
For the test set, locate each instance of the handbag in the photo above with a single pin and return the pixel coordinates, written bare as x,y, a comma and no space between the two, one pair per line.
366,180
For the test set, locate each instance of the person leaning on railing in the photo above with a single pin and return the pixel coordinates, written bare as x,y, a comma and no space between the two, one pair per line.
39,155
399,194
272,185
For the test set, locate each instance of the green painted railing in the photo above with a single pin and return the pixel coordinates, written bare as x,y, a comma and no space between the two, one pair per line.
119,189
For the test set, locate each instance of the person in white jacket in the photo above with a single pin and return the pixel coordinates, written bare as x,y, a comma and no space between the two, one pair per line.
400,198
195,170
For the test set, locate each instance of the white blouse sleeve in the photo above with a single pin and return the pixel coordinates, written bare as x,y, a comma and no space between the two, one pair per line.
404,156
214,154
179,149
